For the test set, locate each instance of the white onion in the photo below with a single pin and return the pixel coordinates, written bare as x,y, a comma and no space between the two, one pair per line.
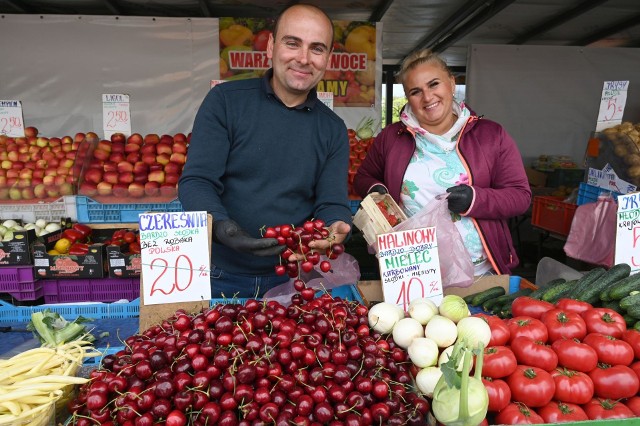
51,227
453,307
423,352
422,310
9,223
405,331
475,331
441,330
383,316
41,223
426,380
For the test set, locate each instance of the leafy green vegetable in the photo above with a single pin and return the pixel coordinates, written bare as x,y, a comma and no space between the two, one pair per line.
52,329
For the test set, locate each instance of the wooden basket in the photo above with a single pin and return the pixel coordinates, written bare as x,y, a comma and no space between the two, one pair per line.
370,219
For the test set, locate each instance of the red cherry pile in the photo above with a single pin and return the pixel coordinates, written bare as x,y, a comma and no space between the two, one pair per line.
312,363
297,240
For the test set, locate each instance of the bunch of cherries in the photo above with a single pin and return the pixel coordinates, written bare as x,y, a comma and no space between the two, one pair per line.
297,239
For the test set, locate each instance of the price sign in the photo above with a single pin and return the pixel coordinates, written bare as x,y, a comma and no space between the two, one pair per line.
612,102
175,257
116,116
326,98
628,231
11,121
410,266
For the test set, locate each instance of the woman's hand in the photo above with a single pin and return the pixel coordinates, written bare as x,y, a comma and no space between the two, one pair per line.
460,198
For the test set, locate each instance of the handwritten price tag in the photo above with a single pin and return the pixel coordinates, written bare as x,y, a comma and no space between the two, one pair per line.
410,266
628,231
11,121
612,102
175,257
116,116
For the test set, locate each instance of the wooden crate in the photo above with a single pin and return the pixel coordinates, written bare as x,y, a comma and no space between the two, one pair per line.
370,219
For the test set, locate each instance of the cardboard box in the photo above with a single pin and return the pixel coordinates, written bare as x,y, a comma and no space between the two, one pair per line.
371,291
537,179
18,250
122,265
90,265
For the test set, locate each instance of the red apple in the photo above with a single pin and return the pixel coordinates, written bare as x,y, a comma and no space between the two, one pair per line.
66,188
104,188
120,190
168,139
13,155
155,166
162,158
131,147
179,137
179,147
13,173
88,188
168,190
140,167
93,176
99,154
55,142
140,178
4,193
31,132
118,137
19,165
92,136
148,149
27,193
104,145
151,189
133,157
66,140
136,190
172,178
61,170
135,138
149,159
111,176
52,191
15,194
151,138
79,137
172,167
156,176
59,180
110,166
49,179
38,173
116,157
25,173
117,146
125,166
40,191
164,148
125,177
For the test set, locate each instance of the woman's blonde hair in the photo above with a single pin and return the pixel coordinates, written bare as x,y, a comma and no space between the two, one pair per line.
418,58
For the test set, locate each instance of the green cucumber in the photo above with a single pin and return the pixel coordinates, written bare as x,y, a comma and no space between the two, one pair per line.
614,304
491,304
537,293
585,282
624,287
489,293
629,301
616,273
557,291
506,299
629,320
637,325
634,311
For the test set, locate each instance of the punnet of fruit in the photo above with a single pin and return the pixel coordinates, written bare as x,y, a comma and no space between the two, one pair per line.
135,167
38,168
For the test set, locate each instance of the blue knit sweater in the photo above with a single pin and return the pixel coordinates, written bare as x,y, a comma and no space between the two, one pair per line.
261,163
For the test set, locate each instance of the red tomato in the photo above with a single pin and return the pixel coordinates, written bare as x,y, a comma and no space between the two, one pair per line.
609,349
597,409
500,333
498,361
531,386
605,321
518,414
573,305
499,393
632,337
636,367
562,412
614,382
527,326
634,405
572,386
528,306
564,324
532,353
575,355
484,422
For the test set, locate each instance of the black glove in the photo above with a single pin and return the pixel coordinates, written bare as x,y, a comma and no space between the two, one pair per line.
460,198
380,189
228,233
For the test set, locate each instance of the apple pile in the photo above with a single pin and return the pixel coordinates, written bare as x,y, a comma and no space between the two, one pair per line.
37,167
358,148
135,166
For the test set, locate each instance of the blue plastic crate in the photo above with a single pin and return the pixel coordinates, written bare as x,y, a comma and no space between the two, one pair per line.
10,314
590,193
91,211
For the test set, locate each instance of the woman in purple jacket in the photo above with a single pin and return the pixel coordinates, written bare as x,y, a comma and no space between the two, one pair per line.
441,146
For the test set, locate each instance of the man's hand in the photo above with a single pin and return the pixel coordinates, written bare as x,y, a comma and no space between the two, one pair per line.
460,198
338,232
228,233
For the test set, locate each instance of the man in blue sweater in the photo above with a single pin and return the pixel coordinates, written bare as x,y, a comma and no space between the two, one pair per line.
267,152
